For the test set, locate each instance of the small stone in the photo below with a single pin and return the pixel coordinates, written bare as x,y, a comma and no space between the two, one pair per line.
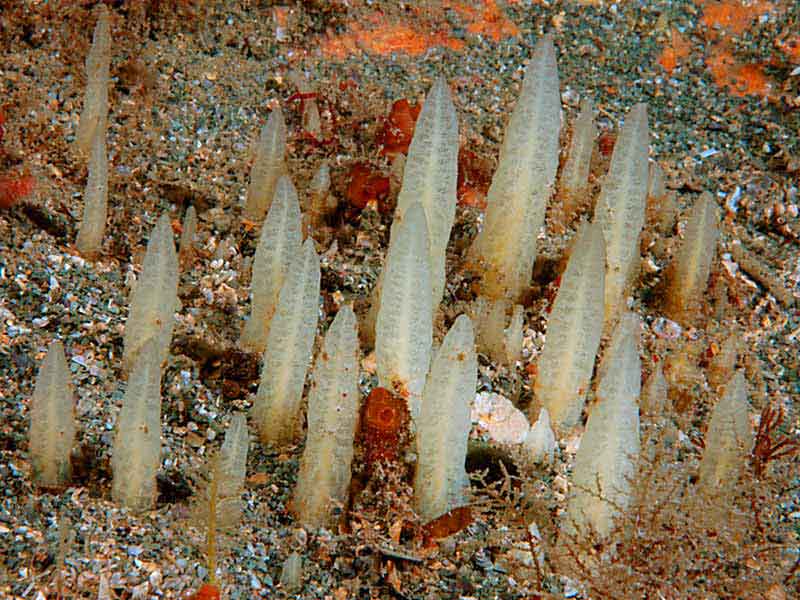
500,419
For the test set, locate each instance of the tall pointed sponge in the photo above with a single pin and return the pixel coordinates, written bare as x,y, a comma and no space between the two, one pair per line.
137,441
269,165
154,298
52,428
444,423
621,207
653,402
95,104
606,459
232,470
276,410
333,401
279,243
728,440
186,248
688,275
574,329
321,202
523,182
404,327
540,442
95,199
574,179
431,174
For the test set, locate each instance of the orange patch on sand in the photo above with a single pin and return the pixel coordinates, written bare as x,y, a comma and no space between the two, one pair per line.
791,48
489,21
733,16
419,32
723,20
740,79
674,53
386,39
402,38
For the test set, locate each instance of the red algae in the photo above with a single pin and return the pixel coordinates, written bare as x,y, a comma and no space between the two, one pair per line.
15,187
384,425
474,177
447,524
206,592
398,128
365,186
605,143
